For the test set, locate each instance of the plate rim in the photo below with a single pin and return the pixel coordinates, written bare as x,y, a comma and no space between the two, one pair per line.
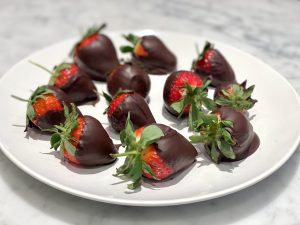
180,201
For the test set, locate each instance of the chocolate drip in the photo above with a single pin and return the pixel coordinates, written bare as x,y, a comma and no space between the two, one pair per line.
140,114
242,132
174,149
129,77
98,58
160,59
220,73
95,146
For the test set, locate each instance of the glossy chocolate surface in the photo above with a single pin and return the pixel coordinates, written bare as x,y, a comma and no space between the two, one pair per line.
174,149
140,114
53,117
81,88
160,59
220,73
128,77
242,132
94,145
98,58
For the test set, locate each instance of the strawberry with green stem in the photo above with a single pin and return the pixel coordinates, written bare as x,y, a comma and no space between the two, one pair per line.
73,81
45,107
124,102
150,53
211,64
155,151
82,140
184,89
226,134
95,54
236,96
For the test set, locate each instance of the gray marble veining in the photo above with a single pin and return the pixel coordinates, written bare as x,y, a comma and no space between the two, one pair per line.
266,29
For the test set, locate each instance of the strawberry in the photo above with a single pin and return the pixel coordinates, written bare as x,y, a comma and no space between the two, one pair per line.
226,134
95,54
150,53
45,107
82,140
236,96
128,77
155,151
211,64
184,89
123,103
73,81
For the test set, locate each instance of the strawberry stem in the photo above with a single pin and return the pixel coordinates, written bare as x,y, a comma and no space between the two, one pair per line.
19,98
40,66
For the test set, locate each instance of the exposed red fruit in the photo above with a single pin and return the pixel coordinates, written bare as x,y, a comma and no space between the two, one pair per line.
76,133
205,62
65,75
115,103
177,92
87,41
48,103
140,51
149,155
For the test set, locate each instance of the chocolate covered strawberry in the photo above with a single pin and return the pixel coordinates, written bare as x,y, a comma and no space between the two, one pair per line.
236,96
45,107
184,89
95,54
128,77
82,140
154,151
226,134
211,64
73,81
150,53
128,102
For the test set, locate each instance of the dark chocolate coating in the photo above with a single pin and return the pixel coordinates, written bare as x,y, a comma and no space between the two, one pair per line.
98,58
160,59
81,88
174,149
242,132
94,145
129,77
140,114
166,93
52,118
221,73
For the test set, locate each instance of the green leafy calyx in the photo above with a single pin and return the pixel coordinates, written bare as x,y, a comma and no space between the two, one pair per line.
215,134
132,39
55,73
196,98
134,166
61,136
236,96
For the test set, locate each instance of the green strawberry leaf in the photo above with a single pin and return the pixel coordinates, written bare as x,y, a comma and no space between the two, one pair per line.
197,139
71,149
209,104
55,141
132,38
126,49
214,153
150,134
227,150
178,106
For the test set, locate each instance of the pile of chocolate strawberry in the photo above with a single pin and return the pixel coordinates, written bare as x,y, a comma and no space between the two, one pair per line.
153,151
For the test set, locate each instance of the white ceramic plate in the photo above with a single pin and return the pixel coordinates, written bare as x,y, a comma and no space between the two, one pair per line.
276,121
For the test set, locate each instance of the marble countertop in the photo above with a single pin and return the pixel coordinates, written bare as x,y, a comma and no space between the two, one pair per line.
268,29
